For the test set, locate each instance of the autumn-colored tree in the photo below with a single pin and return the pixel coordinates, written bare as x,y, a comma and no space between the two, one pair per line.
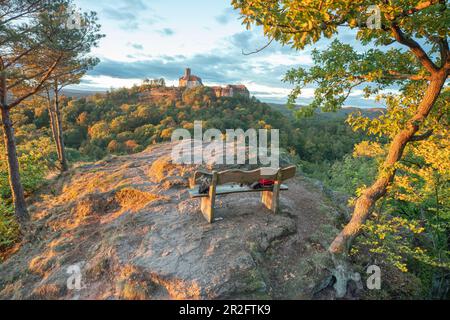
410,226
409,49
74,65
32,46
20,40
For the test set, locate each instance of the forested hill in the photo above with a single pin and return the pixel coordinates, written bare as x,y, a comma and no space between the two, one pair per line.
124,122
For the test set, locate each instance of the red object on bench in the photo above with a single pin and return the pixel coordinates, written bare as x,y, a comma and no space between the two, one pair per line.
267,183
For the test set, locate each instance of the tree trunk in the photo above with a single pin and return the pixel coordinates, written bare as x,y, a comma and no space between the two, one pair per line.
51,115
366,202
59,133
13,170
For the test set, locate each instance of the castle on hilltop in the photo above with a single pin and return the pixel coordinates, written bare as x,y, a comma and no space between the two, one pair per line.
156,89
191,81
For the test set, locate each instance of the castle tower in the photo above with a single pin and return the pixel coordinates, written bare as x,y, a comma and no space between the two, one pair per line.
189,80
187,74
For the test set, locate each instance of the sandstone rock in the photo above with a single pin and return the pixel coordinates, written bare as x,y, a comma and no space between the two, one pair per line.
129,224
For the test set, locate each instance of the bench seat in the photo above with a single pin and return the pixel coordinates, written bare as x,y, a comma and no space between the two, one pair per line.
229,182
230,189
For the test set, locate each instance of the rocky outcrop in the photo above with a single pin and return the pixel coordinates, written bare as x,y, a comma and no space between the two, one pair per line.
126,229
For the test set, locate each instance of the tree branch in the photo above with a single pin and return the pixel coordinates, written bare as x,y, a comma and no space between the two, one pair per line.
20,56
419,7
421,137
415,48
445,51
32,8
258,50
38,87
391,74
25,78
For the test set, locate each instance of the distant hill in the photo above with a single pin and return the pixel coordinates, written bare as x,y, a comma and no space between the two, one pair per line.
72,93
342,113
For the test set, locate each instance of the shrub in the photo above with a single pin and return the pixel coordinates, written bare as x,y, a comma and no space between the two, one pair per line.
9,229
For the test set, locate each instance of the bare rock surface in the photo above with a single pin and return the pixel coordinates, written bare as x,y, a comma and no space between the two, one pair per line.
128,225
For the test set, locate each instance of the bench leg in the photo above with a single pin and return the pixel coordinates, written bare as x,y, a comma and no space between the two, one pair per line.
208,209
209,202
271,199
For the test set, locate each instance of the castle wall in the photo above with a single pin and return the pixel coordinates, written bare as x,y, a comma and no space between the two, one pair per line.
156,94
231,91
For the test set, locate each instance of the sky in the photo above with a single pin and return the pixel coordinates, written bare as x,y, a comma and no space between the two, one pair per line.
160,38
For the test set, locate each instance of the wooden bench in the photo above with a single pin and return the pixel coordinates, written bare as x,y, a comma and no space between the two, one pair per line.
238,181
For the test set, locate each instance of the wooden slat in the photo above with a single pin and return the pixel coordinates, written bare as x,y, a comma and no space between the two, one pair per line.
200,174
239,176
197,176
288,173
230,189
247,177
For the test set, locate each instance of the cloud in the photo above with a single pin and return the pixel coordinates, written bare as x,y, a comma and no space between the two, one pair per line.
252,40
125,10
226,16
213,69
105,82
217,67
210,67
242,40
136,46
229,67
292,60
222,64
167,32
128,12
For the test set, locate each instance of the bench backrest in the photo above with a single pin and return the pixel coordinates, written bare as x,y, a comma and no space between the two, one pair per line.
248,177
